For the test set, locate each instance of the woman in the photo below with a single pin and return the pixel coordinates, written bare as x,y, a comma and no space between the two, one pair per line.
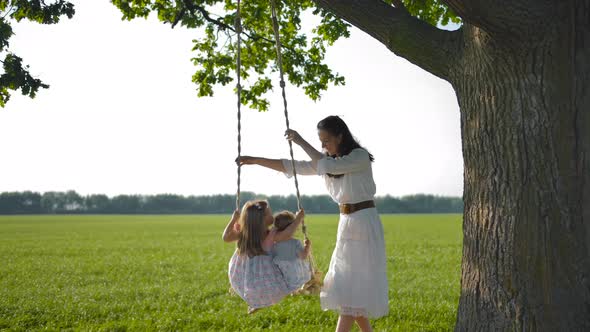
356,282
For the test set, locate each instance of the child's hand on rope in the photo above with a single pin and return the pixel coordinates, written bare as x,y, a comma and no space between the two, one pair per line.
307,243
293,136
300,215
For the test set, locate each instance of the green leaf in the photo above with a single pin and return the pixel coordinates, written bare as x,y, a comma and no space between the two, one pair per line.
16,76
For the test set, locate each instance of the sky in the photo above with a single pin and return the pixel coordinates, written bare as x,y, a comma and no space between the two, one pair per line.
122,116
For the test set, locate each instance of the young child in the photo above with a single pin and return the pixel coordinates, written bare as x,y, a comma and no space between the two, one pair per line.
252,273
289,255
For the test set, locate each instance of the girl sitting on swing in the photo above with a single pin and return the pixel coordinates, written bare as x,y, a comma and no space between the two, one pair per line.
252,273
290,255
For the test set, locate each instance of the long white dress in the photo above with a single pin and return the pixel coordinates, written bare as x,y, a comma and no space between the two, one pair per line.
356,281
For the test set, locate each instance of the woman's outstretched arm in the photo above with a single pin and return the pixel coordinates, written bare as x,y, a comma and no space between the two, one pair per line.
230,234
281,165
275,164
294,136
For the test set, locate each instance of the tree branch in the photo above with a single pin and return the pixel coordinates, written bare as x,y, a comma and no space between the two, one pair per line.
432,49
192,8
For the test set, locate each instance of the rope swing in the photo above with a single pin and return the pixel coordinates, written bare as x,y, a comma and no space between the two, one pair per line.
238,27
314,284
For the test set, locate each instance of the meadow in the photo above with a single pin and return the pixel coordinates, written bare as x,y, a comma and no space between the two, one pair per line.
169,273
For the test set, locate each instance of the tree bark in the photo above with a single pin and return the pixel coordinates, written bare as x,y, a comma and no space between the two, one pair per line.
524,97
525,132
509,18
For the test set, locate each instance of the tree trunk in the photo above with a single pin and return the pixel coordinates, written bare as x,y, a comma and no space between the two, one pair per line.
525,119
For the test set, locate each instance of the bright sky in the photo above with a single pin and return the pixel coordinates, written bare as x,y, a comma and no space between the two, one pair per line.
122,116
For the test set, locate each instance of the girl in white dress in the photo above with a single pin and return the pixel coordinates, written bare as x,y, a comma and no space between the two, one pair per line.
356,282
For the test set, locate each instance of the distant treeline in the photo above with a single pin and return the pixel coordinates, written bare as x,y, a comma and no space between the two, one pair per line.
71,202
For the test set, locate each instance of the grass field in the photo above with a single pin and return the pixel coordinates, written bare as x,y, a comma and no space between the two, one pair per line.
169,273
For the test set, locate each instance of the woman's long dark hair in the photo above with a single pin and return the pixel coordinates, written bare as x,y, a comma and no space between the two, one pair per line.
335,126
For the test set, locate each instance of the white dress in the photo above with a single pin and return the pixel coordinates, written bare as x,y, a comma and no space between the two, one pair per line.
356,281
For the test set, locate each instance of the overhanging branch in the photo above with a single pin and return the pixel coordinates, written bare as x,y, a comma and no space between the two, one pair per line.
430,48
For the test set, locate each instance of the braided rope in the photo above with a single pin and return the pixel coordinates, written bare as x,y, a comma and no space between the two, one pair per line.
275,25
238,26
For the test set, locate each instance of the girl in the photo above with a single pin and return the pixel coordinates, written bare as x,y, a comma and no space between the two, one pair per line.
289,255
356,282
252,273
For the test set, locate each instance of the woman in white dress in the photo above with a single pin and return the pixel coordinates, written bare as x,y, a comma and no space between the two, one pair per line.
356,282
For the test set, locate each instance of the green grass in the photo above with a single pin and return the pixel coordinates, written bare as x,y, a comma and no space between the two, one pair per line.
169,273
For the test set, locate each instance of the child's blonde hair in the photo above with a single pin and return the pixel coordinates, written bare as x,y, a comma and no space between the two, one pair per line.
283,219
252,228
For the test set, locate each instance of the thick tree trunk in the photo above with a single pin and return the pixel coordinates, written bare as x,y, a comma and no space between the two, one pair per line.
525,118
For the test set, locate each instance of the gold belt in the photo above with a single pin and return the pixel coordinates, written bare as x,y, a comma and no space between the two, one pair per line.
352,208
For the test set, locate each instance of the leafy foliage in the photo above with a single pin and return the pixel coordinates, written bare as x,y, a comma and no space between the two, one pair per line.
215,52
303,52
16,76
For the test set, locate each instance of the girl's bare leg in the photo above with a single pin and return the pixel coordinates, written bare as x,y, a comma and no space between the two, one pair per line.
363,323
344,323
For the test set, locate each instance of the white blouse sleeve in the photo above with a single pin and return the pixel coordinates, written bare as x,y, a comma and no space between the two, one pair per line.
302,167
356,160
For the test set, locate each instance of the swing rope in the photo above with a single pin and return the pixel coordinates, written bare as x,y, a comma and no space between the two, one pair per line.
238,27
315,281
275,25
